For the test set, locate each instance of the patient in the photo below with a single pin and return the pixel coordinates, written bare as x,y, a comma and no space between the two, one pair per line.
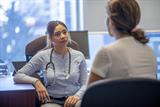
129,56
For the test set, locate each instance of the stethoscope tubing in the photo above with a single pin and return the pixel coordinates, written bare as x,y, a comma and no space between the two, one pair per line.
51,62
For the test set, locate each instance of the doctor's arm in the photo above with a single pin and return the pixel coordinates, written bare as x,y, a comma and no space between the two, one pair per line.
24,76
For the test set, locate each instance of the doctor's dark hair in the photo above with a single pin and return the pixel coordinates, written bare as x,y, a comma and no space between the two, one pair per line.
125,15
52,25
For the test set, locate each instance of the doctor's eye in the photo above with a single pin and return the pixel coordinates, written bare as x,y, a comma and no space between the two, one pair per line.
57,34
64,32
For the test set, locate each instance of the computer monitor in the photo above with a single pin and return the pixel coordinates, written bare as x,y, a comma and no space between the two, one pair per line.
81,37
18,65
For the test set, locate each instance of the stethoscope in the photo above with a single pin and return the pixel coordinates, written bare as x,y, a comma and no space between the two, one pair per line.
52,64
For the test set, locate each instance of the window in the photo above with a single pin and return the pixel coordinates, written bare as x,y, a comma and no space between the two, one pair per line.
24,20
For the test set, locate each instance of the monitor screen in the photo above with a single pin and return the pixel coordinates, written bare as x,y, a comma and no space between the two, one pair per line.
81,37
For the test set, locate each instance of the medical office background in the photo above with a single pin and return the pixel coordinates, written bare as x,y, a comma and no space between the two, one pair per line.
21,21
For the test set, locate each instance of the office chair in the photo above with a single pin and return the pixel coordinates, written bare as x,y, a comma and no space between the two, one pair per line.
34,46
131,92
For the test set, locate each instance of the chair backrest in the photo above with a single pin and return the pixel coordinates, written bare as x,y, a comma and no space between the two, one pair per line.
34,46
131,92
40,43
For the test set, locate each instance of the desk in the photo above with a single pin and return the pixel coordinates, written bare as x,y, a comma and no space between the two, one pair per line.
16,95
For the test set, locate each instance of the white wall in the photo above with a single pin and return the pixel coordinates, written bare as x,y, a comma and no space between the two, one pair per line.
94,15
150,18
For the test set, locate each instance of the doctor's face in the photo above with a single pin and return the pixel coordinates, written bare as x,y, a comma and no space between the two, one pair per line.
60,36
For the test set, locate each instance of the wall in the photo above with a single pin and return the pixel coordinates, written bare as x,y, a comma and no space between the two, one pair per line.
94,15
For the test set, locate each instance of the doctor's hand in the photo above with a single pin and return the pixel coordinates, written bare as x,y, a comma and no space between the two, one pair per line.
71,101
41,91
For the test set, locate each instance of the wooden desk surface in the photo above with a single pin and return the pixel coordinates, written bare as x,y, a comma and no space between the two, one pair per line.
16,95
7,84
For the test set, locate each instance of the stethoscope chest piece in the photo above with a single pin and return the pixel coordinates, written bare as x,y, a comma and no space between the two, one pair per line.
67,76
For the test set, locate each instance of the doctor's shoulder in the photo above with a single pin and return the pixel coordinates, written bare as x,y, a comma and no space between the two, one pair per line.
43,53
76,53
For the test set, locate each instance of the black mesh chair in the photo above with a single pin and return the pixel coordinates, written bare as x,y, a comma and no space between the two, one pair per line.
131,92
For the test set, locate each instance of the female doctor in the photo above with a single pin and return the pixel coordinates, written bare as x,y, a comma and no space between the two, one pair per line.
64,70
